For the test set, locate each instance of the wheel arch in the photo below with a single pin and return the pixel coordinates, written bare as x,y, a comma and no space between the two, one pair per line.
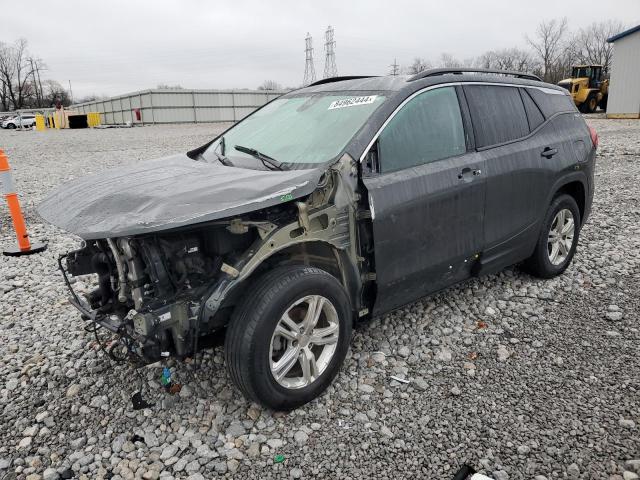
576,187
315,253
311,252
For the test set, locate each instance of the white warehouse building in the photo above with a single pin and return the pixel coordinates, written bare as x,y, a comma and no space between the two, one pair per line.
178,106
624,90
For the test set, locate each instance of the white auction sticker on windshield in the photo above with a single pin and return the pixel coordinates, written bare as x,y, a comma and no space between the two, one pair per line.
352,102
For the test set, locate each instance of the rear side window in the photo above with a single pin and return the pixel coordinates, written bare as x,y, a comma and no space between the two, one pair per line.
497,113
428,128
533,112
552,103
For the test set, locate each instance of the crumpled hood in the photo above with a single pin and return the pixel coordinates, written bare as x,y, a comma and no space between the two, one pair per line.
167,193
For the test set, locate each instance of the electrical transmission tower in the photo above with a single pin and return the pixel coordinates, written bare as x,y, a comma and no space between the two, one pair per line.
309,69
395,68
330,68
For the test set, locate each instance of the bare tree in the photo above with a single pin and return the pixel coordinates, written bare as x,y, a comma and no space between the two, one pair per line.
507,59
165,86
418,65
270,85
589,44
54,93
37,65
449,61
91,98
548,45
16,72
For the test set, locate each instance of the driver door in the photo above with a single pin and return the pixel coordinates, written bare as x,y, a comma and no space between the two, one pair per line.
427,200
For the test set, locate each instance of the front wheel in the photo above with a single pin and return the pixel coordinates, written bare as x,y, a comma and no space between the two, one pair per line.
591,103
287,340
558,239
603,103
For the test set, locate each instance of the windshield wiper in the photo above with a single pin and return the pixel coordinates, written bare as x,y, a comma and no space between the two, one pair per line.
265,159
220,156
223,160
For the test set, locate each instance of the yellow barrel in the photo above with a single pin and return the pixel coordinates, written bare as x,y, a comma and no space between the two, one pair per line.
40,122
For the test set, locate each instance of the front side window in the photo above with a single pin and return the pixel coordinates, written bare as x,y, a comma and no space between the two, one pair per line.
428,128
300,131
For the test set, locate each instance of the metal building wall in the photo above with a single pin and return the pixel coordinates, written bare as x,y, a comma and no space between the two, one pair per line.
624,92
179,106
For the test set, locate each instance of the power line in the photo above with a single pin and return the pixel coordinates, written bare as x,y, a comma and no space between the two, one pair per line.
309,68
395,68
330,68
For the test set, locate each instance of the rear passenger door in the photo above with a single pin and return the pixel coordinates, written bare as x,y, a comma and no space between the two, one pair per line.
518,175
426,198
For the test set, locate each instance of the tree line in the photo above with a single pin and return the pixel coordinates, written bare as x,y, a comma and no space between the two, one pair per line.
21,83
549,52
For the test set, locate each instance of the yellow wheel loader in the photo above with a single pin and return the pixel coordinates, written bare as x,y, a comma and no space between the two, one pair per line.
588,87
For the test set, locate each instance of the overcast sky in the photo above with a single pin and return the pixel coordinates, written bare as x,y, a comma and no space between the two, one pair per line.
116,46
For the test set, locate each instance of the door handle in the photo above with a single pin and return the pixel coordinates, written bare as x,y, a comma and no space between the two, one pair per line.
466,172
549,152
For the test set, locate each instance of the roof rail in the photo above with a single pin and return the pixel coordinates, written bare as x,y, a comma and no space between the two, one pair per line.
459,71
338,79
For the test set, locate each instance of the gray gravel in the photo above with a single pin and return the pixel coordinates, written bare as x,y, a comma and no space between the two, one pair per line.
519,377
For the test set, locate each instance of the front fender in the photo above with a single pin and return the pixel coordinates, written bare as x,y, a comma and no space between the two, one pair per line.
330,226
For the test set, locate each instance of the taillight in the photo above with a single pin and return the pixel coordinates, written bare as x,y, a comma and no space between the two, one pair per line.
594,136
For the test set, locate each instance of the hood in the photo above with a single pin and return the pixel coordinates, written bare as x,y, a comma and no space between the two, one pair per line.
168,193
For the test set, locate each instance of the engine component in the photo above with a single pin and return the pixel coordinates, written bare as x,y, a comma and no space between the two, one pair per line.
136,275
122,296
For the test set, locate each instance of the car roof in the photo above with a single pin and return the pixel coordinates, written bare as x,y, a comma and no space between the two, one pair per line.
407,84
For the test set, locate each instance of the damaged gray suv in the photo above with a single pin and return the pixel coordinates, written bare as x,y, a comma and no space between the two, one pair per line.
346,199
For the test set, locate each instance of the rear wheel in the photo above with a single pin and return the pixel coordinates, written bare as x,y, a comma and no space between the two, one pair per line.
288,339
558,239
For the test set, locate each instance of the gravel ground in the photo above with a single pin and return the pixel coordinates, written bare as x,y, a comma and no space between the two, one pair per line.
518,377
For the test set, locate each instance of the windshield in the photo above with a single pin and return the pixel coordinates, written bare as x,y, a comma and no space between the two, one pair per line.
301,131
579,72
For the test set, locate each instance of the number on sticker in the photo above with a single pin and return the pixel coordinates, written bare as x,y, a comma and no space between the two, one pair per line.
352,102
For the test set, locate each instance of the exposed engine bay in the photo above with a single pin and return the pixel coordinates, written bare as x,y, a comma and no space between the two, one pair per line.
160,292
153,285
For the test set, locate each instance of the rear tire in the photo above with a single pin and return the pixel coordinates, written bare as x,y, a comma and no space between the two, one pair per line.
554,251
276,353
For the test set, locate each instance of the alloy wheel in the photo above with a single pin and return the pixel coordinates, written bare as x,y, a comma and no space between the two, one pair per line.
304,341
561,234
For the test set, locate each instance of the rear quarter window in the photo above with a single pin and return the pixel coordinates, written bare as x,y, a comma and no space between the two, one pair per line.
552,103
533,112
497,113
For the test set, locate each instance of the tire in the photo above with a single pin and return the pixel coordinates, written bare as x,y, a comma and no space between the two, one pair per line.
591,104
252,344
541,263
11,126
603,103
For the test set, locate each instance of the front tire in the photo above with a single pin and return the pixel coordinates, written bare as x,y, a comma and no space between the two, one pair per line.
591,104
603,103
288,339
558,239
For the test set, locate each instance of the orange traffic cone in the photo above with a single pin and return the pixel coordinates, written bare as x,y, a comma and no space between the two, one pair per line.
25,247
